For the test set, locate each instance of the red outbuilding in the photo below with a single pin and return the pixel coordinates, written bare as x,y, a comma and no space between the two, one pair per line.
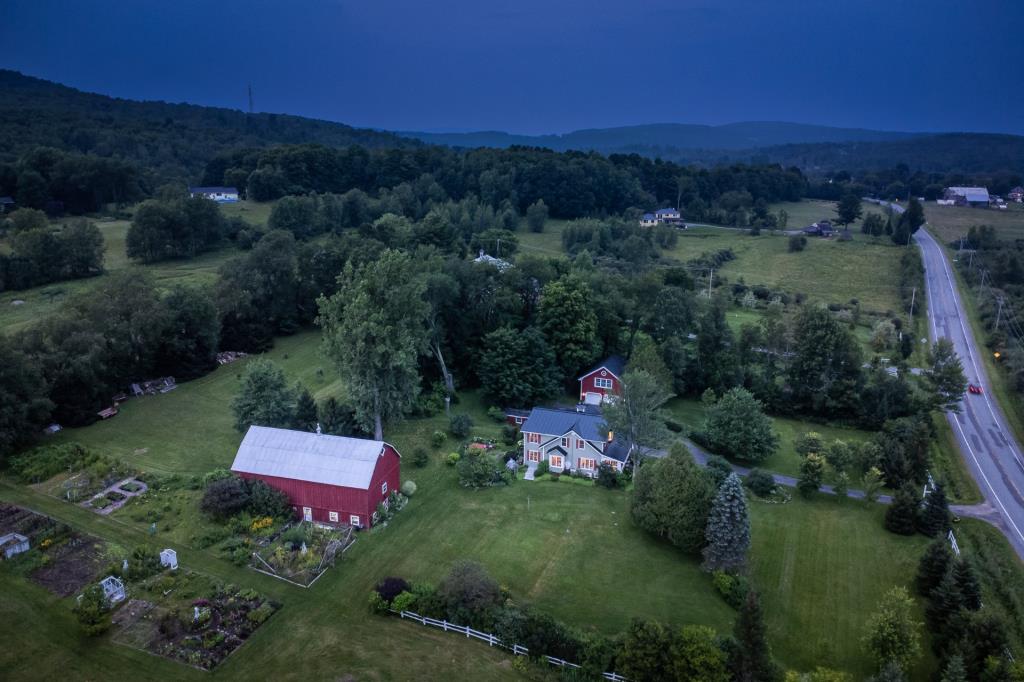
602,381
329,479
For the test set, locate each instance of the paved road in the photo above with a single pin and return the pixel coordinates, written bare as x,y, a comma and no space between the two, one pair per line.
981,430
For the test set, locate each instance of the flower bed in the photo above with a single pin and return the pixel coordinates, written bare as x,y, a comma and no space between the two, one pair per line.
302,552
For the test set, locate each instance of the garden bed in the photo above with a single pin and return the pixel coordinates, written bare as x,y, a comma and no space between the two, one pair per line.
302,552
68,564
190,618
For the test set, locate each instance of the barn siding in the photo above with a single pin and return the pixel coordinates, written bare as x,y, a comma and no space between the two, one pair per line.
587,384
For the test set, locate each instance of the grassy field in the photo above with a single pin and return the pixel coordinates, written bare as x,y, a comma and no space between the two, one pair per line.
556,544
38,302
948,223
253,212
804,213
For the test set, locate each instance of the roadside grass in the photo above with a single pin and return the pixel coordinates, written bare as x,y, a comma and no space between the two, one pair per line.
1000,570
948,223
785,460
191,429
822,567
949,465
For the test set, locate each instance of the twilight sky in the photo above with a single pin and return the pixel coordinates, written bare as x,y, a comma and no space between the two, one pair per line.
540,66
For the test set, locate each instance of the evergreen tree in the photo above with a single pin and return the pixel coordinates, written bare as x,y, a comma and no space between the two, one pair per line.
752,658
518,367
728,530
967,583
954,670
812,471
306,417
933,567
935,517
944,603
901,516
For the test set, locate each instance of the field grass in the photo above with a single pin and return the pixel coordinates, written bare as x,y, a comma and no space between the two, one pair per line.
38,302
948,223
255,213
785,460
570,549
804,213
191,429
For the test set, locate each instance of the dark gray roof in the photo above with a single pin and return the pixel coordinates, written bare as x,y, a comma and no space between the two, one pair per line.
6,200
551,422
616,364
664,211
515,412
617,450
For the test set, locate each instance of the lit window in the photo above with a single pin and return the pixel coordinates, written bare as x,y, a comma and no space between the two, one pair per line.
556,461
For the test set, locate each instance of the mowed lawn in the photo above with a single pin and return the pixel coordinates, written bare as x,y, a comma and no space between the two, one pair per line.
38,302
570,549
191,429
949,223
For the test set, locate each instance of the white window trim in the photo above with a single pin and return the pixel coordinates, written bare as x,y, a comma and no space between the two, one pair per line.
561,461
307,513
384,488
353,520
603,383
332,516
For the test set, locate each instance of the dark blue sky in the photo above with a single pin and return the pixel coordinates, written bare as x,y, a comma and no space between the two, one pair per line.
536,66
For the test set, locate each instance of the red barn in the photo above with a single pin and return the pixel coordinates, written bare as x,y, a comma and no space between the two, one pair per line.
603,380
329,479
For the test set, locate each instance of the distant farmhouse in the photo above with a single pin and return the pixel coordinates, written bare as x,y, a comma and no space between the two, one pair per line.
602,381
822,228
663,216
1016,194
964,196
222,195
571,440
328,479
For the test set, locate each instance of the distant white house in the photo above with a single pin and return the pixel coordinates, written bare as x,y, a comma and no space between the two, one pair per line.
663,216
221,195
499,263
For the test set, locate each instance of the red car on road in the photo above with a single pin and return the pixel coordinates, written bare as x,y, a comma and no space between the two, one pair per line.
972,388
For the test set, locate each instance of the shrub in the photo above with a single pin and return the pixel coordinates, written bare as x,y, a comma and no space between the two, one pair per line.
733,588
542,468
438,438
216,475
718,469
267,501
377,602
225,497
409,488
420,457
91,612
391,587
607,477
674,426
406,601
469,593
460,424
452,459
478,469
760,482
509,434
496,413
797,243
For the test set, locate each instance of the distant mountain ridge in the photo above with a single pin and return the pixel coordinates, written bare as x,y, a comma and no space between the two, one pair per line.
743,135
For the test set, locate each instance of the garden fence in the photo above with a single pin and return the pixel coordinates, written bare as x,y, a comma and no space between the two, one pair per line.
495,641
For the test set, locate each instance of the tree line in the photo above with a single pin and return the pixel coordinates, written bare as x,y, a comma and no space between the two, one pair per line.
41,254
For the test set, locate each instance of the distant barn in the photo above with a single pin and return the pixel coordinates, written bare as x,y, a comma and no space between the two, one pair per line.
219,194
328,479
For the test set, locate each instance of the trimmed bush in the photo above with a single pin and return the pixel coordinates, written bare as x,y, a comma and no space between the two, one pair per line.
760,482
542,468
607,477
496,413
409,488
460,424
438,438
452,459
420,457
391,587
225,497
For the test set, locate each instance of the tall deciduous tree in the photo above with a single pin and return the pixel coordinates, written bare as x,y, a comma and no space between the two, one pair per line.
812,472
849,209
728,530
518,367
264,398
537,215
24,407
737,426
569,323
825,372
945,376
375,330
892,633
636,414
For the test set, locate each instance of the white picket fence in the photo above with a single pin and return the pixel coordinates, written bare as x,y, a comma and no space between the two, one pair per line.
495,641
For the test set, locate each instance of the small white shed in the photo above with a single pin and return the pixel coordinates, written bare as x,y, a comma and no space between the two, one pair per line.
169,559
13,544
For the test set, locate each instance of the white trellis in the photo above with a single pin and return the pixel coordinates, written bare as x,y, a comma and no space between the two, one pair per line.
113,589
169,559
953,544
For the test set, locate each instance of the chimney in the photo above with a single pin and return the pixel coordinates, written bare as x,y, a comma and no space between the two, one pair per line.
318,428
611,436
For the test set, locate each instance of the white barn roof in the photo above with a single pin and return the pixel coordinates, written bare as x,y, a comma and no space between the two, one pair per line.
303,456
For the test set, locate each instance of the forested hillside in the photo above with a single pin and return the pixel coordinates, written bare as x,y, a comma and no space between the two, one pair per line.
172,140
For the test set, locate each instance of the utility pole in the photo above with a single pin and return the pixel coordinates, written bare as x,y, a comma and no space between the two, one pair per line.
711,278
913,297
250,98
999,313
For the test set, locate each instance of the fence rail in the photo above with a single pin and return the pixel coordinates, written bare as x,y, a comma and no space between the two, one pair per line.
495,641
